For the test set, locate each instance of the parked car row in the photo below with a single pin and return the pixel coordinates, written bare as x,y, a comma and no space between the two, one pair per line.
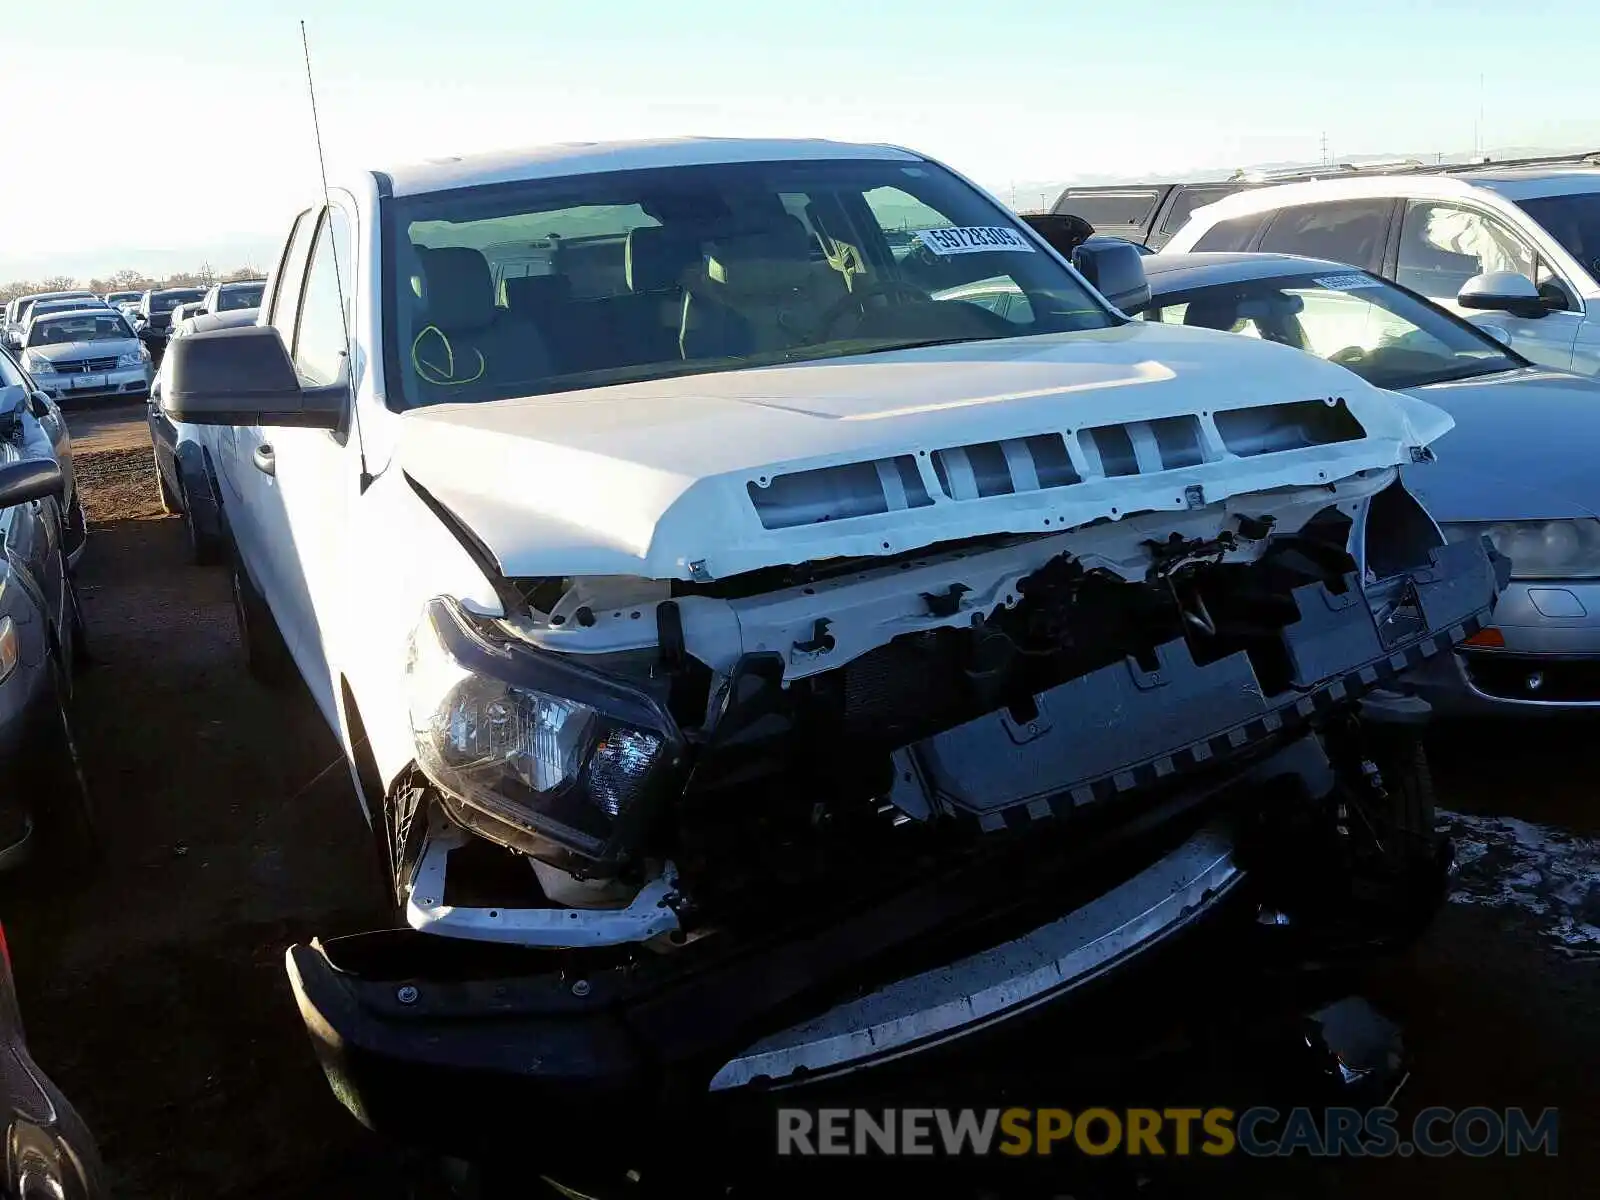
46,813
799,558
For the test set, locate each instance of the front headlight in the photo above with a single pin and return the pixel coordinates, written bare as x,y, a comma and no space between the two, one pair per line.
1540,549
131,359
8,648
550,751
37,365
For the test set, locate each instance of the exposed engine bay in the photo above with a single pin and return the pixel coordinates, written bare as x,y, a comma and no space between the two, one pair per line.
834,730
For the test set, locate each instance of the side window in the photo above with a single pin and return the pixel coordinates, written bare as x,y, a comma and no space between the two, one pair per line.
1347,231
324,310
1235,233
285,303
1442,246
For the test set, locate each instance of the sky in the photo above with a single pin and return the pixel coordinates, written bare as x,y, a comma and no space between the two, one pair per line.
195,132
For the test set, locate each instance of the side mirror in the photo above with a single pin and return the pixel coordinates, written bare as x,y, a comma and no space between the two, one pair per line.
1502,291
1116,270
39,405
1063,231
35,479
243,376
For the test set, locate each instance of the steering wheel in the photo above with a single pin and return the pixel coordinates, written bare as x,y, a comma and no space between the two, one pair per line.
857,301
1348,356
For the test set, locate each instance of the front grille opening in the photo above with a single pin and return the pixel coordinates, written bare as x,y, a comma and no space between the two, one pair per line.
838,493
1004,468
1114,447
1273,428
1178,440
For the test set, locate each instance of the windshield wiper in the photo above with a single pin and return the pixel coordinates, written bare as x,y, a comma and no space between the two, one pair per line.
1458,373
800,353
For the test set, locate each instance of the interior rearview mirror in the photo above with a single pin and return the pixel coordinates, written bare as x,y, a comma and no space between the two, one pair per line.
1502,291
1116,271
34,479
244,376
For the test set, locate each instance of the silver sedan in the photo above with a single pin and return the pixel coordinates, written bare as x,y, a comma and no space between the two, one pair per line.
1518,467
84,353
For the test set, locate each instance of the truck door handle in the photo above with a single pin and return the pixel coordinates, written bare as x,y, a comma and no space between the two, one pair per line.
264,460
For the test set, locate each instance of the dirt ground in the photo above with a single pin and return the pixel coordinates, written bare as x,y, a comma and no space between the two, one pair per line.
155,993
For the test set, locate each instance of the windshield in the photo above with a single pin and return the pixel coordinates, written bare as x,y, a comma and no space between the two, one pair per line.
548,285
78,327
167,301
244,295
1574,221
50,306
1388,337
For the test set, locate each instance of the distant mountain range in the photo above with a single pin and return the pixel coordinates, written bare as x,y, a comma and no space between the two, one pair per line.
231,250
1028,194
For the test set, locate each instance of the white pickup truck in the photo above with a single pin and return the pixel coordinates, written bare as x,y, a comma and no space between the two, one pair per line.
749,644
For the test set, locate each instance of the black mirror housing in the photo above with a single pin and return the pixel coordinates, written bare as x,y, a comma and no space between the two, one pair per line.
33,479
244,376
1503,291
1063,231
1116,271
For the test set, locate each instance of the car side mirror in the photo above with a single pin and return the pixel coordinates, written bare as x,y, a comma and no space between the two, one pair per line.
1063,231
33,479
39,405
1116,271
1502,291
244,376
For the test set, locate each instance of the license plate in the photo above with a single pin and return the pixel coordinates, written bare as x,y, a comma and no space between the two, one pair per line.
89,381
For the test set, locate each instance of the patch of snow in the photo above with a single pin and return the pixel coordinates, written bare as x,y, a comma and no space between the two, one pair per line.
1548,873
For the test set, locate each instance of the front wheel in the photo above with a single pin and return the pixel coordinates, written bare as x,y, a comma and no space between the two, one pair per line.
266,655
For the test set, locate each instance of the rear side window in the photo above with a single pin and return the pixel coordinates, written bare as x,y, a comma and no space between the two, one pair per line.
1122,207
1187,200
1233,234
1347,231
285,303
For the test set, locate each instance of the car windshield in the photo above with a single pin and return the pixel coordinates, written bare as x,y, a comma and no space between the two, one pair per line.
553,284
244,295
1574,221
167,301
1385,335
78,327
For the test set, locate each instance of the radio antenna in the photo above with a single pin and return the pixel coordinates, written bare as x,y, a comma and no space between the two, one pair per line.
338,274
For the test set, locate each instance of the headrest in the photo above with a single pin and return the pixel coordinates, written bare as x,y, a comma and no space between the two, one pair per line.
1213,312
457,288
763,261
658,256
535,293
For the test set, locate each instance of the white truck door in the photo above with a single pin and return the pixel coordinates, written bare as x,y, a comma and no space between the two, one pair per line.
317,472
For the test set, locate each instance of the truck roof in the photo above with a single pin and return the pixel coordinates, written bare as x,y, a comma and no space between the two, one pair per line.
585,158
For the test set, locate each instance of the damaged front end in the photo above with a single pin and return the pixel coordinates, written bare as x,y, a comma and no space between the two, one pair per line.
800,821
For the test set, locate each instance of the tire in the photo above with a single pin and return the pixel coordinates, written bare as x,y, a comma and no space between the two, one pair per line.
63,809
171,502
266,656
75,531
205,549
82,658
1411,812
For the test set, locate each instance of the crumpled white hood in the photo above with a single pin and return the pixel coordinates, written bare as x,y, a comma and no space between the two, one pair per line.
658,479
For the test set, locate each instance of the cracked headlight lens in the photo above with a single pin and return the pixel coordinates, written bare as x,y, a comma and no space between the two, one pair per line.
533,740
1539,549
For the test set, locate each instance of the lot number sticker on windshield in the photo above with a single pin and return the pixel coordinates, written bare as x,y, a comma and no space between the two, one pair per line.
1344,283
970,239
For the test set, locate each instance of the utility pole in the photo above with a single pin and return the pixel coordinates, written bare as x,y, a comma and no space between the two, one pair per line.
1324,147
1013,195
1477,128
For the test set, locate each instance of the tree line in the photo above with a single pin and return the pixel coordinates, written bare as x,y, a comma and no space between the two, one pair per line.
126,281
